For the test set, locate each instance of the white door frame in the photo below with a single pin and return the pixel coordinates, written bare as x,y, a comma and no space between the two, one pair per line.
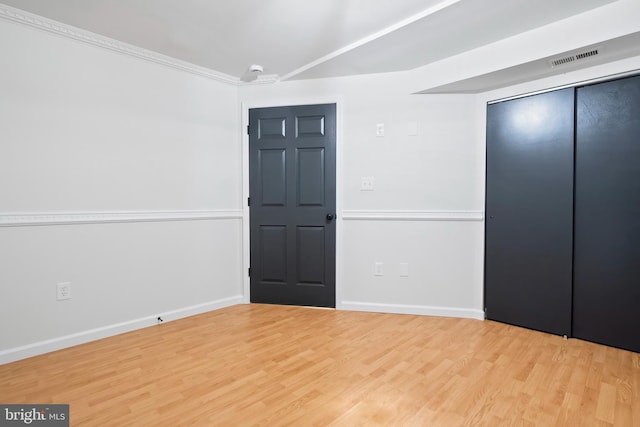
246,243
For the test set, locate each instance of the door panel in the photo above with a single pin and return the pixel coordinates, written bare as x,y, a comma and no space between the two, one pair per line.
309,126
607,219
292,190
273,177
529,211
273,241
310,245
272,128
310,176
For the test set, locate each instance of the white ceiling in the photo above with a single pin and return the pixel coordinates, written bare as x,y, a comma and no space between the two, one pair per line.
301,39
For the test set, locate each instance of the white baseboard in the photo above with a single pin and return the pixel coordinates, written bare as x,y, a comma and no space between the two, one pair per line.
423,310
35,349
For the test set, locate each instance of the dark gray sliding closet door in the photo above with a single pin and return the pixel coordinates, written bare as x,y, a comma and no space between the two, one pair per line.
607,214
529,209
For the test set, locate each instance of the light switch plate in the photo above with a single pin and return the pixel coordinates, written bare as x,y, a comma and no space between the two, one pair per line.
380,129
404,269
412,128
378,269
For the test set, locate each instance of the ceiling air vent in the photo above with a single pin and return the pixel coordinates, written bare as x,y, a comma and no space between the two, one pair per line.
568,59
584,55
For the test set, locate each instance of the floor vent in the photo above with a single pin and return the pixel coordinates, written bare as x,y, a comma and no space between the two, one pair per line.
568,59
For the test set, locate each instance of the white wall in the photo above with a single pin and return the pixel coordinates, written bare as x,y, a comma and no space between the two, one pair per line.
85,129
424,185
440,169
112,147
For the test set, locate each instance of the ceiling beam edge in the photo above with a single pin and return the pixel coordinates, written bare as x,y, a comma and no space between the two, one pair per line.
363,41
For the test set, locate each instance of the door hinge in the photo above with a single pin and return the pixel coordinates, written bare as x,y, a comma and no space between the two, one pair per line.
249,272
248,130
248,201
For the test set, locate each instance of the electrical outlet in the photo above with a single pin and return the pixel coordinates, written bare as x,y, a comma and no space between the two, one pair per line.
63,291
366,183
380,129
378,269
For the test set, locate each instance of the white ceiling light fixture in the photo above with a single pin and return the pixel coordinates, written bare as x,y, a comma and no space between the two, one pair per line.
254,75
256,69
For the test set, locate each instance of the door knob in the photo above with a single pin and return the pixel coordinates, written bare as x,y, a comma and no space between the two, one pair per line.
329,217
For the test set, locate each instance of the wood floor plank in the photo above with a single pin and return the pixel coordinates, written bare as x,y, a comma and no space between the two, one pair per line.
274,365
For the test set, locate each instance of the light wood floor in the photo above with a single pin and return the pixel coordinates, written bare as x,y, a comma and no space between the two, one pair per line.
274,365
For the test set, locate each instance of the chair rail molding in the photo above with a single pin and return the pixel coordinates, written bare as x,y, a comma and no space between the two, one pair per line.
411,215
66,218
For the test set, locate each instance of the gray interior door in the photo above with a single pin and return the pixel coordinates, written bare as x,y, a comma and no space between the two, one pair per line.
292,209
529,211
607,220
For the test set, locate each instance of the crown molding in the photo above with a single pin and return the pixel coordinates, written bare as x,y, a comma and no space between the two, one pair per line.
264,79
70,218
45,24
397,215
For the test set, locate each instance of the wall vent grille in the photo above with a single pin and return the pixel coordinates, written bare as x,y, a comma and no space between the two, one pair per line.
557,62
583,55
